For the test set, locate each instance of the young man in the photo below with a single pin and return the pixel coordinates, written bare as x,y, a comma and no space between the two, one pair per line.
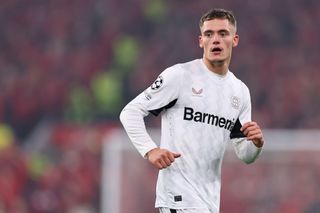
204,107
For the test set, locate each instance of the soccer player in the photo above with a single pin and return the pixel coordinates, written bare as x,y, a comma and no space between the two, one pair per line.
203,107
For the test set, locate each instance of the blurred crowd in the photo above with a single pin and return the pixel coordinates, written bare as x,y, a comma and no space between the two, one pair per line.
80,61
63,177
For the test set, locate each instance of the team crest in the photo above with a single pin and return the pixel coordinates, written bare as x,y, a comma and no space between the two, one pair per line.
157,83
235,102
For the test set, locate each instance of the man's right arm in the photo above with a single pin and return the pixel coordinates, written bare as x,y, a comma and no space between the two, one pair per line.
161,95
133,122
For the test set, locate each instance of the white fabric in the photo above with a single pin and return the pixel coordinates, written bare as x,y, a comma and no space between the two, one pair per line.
167,210
197,126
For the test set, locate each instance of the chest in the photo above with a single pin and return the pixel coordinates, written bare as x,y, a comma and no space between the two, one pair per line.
205,96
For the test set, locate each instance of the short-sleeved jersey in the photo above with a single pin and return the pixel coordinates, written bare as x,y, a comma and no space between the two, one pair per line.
201,111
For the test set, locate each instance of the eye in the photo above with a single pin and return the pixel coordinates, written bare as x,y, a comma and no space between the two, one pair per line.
223,33
207,34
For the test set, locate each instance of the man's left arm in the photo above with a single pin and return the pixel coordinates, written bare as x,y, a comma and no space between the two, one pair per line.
249,148
253,132
247,136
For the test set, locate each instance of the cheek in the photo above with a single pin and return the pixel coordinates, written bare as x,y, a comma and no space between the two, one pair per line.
206,44
228,43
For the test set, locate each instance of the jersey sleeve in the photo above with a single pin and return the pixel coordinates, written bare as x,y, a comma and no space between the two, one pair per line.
244,149
244,116
161,95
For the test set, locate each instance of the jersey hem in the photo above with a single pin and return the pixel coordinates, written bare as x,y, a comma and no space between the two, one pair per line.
178,207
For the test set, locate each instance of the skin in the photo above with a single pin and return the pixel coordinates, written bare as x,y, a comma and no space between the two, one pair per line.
161,158
221,34
218,33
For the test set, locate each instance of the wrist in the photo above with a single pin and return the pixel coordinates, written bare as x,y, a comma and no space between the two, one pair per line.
258,142
147,155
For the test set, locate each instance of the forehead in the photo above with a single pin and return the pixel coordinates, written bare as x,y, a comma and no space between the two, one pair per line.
217,24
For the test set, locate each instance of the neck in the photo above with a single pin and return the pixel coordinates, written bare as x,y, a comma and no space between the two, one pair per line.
218,67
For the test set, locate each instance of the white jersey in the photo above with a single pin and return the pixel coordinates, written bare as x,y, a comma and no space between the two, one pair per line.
201,113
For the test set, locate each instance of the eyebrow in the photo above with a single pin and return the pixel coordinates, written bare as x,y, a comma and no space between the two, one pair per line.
219,31
208,31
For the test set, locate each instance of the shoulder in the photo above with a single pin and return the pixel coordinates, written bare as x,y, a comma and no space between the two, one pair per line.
238,83
181,69
191,65
187,67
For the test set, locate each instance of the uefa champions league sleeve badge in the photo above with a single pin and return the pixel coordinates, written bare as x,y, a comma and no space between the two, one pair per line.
157,83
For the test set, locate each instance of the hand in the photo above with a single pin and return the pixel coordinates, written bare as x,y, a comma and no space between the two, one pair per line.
253,132
161,158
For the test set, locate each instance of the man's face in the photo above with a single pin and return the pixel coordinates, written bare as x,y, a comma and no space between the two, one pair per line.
217,38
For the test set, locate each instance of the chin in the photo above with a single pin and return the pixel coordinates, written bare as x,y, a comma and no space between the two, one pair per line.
217,63
217,60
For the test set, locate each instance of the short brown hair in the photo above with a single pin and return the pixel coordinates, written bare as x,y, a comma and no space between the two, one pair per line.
217,13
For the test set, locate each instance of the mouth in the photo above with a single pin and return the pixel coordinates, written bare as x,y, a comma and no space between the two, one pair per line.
216,50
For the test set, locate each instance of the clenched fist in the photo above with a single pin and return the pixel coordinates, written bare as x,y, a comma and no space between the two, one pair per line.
161,158
253,132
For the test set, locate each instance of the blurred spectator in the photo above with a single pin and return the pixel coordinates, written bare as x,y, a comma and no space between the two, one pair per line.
50,47
13,173
107,90
79,61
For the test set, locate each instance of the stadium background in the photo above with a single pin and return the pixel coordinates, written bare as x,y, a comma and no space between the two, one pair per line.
68,67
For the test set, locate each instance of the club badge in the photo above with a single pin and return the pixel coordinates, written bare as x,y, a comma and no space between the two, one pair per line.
235,102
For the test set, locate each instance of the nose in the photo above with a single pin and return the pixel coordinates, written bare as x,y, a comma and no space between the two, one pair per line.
215,39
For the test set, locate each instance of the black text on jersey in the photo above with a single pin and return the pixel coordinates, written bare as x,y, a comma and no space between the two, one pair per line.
190,115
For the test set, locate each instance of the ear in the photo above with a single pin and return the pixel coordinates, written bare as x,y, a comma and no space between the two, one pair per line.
235,40
200,41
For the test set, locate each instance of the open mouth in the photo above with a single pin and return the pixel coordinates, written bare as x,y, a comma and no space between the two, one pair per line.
216,50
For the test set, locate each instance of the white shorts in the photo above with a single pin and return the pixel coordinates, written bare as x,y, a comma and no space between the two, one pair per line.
168,210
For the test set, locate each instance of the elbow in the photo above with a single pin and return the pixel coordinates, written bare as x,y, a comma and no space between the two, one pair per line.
247,152
249,160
